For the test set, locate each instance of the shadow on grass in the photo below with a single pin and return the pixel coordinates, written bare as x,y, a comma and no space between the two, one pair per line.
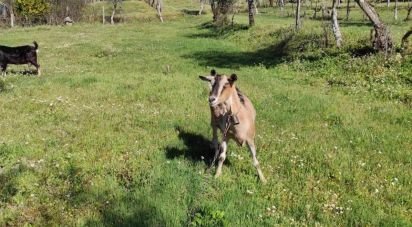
268,57
8,182
123,209
191,12
26,72
129,211
344,23
223,59
197,147
290,45
212,31
362,51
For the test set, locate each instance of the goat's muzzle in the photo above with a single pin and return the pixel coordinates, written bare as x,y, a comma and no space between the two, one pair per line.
212,101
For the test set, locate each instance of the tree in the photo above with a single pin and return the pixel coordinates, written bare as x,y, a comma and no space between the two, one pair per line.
281,4
202,5
9,5
405,38
221,9
115,3
297,18
59,9
158,5
347,9
335,24
409,13
251,14
382,40
159,8
395,13
213,6
32,9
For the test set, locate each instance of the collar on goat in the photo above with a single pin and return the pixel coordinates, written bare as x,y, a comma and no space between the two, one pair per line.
231,119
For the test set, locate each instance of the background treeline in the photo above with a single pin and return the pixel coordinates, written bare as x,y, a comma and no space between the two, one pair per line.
34,12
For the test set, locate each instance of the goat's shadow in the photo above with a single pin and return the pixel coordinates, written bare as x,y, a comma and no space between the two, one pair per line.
26,72
197,148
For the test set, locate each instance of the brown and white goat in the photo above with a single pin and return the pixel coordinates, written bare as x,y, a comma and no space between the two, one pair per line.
233,113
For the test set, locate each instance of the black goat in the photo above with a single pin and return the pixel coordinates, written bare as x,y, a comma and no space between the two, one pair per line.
19,55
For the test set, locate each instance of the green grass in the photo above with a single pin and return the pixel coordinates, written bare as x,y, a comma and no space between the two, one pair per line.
114,131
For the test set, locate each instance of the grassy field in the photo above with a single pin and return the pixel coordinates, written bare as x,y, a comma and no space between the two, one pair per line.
116,130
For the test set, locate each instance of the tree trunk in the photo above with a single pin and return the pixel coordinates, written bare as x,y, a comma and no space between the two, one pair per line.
282,5
255,8
297,21
159,7
4,12
409,13
202,5
251,14
11,10
271,3
347,9
395,13
12,18
223,8
214,10
113,12
103,16
335,24
405,38
387,3
382,40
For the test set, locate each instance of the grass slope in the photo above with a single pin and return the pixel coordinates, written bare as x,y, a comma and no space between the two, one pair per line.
116,131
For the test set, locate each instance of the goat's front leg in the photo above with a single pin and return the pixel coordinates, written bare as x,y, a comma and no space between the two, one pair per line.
3,69
222,157
215,145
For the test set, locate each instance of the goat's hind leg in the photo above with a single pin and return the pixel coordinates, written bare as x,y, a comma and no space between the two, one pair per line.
252,149
37,67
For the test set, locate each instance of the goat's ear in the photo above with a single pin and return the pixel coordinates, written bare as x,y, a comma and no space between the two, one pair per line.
213,72
232,78
205,78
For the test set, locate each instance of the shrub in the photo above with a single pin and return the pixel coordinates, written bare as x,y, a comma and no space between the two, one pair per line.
32,11
207,216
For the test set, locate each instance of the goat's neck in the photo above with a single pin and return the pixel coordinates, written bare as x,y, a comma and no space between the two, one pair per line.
233,103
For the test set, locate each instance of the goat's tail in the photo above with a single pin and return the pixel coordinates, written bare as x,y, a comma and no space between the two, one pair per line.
36,46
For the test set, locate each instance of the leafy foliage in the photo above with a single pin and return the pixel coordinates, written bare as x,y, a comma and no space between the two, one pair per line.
31,9
208,216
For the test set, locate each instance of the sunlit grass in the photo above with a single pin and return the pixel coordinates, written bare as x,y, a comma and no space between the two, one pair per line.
116,130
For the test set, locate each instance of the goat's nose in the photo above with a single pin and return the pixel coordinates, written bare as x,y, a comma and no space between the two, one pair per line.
211,99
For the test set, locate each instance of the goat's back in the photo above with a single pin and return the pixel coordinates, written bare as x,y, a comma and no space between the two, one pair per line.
250,109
